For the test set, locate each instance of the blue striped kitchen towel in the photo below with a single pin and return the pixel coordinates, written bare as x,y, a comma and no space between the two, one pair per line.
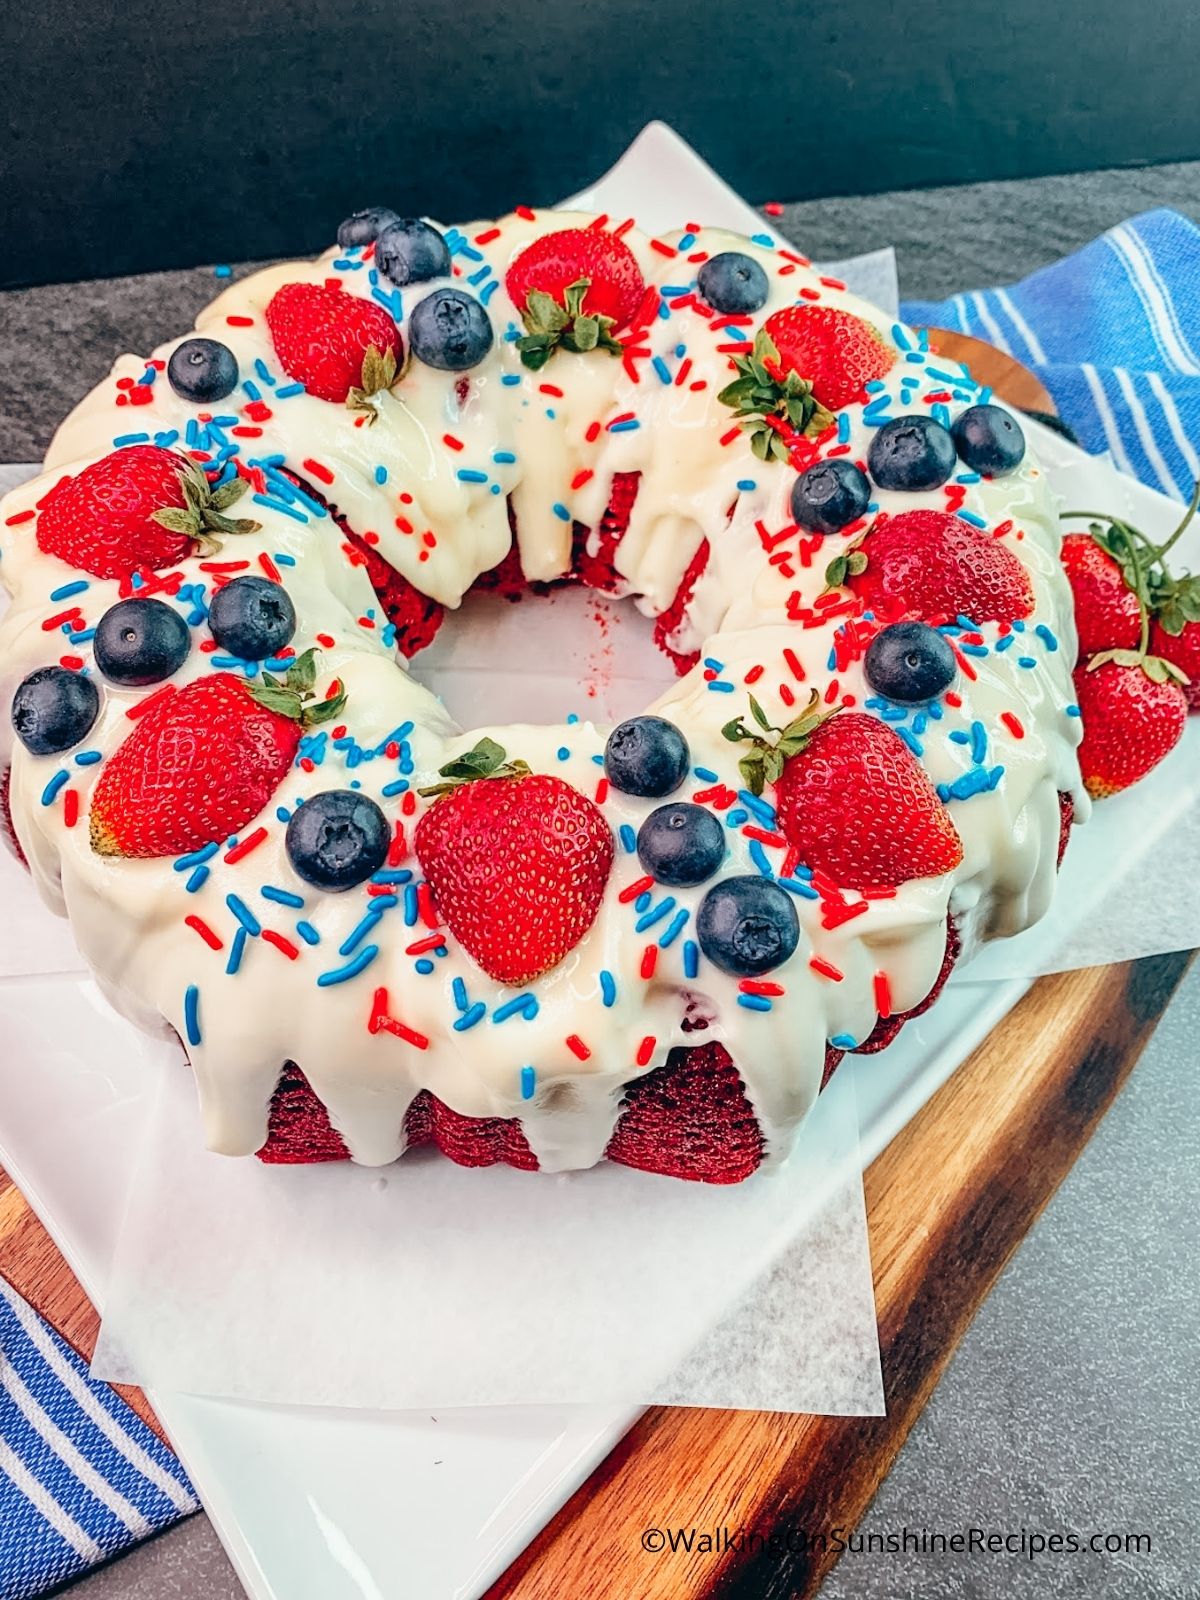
1113,332
81,1476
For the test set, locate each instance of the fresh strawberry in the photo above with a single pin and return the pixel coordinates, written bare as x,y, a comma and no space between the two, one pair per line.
138,509
324,336
1107,614
1133,714
203,761
1182,649
835,352
850,796
517,862
934,564
574,289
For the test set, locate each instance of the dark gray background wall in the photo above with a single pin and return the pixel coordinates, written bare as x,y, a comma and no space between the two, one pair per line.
140,135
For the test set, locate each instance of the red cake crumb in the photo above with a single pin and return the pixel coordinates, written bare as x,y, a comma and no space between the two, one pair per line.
598,570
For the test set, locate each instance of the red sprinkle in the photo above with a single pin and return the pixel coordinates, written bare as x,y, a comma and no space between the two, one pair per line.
883,994
758,986
285,946
240,322
318,470
1012,722
649,961
455,444
269,567
641,886
432,941
826,968
19,517
244,846
211,939
577,1047
159,695
71,807
380,1022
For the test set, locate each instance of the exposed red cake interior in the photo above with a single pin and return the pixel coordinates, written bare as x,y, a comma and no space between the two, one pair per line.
7,827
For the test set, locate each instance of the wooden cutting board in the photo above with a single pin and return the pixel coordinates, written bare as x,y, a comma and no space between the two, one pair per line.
948,1202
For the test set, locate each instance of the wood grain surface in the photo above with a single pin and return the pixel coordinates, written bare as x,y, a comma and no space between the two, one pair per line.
948,1202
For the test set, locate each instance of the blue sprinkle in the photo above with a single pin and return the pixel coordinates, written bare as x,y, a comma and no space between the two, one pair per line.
350,970
705,774
488,290
411,911
424,966
978,743
876,386
969,516
686,241
913,743
844,1041
281,897
460,994
973,649
642,901
130,438
66,590
563,753
50,792
524,1005
308,933
674,928
222,272
1073,711
760,808
528,1083
959,736
560,511
628,426
764,239
469,1018
288,390
503,458
191,1014
608,988
803,891
759,857
511,379
628,837
1005,643
719,687
397,786
166,438
244,914
88,758
661,367
392,875
900,336
663,909
381,474
362,928
236,951
1047,638
1026,661
197,880
691,958
470,475
843,422
713,664
735,818
754,1002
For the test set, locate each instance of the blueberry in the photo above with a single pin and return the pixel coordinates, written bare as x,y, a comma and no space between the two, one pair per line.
141,641
450,330
364,227
337,839
410,251
54,709
912,452
829,495
747,925
646,756
732,282
910,662
681,843
202,370
989,439
252,618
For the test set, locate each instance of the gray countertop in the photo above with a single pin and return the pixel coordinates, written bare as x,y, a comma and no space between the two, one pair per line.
1072,1404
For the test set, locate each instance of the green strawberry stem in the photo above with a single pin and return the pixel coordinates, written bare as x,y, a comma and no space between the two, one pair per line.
1173,602
292,695
766,759
378,375
487,759
568,327
202,516
775,409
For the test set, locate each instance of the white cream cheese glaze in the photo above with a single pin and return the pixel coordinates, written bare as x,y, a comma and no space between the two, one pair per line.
546,440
